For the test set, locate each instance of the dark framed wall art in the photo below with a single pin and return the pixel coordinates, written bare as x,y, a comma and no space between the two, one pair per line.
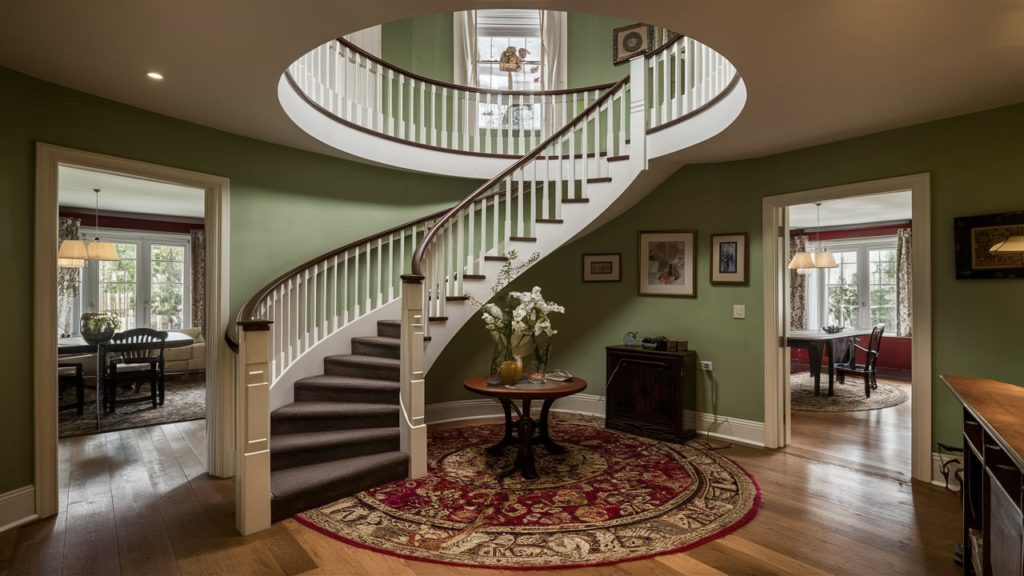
602,267
973,239
729,259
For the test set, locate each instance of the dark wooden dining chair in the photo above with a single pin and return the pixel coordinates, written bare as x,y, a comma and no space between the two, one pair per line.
133,355
867,369
70,375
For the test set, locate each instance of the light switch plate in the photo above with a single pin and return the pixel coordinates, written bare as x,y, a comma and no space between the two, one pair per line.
739,311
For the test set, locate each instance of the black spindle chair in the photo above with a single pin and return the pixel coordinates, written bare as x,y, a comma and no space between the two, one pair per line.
70,375
134,354
867,369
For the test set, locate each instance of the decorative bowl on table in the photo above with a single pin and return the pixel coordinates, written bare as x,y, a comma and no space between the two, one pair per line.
99,327
833,329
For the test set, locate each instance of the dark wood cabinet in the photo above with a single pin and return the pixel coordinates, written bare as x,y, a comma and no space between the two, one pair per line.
651,393
993,476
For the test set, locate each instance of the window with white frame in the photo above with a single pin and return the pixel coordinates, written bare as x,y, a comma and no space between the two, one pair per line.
861,291
149,286
498,31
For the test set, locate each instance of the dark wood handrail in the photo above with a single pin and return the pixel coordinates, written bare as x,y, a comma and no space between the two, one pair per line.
449,85
417,269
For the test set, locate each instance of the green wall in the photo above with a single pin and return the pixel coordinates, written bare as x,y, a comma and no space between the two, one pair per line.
424,45
975,166
590,50
286,206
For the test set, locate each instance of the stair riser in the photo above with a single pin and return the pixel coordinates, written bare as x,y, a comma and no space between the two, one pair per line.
359,370
280,509
296,425
279,460
375,349
338,394
389,330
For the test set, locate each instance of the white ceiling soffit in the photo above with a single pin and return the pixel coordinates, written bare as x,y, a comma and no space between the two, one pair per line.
121,193
815,72
848,211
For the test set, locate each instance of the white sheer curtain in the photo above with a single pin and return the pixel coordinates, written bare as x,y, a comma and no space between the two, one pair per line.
466,53
554,35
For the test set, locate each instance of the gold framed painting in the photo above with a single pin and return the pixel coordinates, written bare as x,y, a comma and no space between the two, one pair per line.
667,263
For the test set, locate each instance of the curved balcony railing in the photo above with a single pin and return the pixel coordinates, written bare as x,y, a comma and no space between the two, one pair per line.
363,92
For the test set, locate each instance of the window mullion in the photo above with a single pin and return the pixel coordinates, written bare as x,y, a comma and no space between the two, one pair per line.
145,269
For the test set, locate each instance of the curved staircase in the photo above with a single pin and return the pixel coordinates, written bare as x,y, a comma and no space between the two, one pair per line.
341,434
325,409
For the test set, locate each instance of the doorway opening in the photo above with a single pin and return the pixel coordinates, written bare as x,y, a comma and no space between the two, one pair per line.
850,330
873,273
157,282
142,277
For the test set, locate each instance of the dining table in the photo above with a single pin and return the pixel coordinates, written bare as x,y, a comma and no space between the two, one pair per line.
818,343
74,345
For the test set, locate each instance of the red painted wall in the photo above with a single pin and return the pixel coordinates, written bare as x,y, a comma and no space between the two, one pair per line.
132,222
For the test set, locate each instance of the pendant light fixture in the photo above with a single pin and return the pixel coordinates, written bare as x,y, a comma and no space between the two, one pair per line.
824,258
100,250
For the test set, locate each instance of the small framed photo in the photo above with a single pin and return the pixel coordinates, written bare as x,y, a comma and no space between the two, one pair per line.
667,263
602,267
973,239
630,41
729,259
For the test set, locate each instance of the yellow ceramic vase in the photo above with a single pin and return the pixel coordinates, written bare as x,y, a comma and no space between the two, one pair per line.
511,371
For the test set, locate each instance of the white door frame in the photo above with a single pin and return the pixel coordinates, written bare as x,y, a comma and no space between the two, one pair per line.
776,386
219,397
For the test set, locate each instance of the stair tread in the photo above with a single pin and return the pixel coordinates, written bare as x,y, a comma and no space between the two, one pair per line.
384,340
363,359
330,380
290,482
332,409
307,440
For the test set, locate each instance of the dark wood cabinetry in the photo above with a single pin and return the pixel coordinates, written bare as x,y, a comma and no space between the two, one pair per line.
651,393
993,488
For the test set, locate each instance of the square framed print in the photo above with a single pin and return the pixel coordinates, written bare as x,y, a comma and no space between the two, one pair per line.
729,259
602,267
667,263
630,41
973,239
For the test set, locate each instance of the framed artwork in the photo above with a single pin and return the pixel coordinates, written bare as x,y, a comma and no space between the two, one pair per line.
667,264
630,41
729,259
973,236
602,267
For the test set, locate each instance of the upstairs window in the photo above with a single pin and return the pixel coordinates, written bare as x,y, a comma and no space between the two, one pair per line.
502,30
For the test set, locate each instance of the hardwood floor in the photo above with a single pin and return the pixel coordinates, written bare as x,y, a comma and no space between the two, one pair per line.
138,502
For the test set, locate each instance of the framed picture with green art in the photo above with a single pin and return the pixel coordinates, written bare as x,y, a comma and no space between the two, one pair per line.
667,263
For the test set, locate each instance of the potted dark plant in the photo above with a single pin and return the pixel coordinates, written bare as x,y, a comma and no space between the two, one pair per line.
655,343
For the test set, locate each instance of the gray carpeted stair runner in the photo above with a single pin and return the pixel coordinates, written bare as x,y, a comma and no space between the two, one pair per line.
341,434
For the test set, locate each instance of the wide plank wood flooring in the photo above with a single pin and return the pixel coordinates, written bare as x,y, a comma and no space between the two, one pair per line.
139,502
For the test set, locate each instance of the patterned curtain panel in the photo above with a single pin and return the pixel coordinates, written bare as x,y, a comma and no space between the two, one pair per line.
68,280
904,292
797,288
198,246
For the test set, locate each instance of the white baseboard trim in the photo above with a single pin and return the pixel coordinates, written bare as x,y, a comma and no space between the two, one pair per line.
745,432
937,472
17,507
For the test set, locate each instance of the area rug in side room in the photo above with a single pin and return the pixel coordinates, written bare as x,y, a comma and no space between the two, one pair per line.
847,397
182,401
611,497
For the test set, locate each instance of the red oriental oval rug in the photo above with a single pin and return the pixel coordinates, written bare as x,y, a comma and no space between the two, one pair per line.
612,497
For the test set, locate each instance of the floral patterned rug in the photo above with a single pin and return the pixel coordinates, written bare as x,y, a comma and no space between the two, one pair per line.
612,497
847,397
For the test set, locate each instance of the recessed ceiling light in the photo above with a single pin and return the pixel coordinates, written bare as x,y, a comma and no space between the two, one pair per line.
154,75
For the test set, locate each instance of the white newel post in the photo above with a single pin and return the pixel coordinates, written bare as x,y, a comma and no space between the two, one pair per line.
638,111
414,430
252,470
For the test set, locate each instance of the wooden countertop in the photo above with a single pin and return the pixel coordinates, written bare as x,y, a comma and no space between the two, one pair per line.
998,406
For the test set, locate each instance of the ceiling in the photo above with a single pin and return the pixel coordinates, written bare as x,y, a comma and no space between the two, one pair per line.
859,210
127,194
815,71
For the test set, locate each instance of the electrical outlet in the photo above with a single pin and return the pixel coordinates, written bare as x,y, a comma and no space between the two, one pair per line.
705,365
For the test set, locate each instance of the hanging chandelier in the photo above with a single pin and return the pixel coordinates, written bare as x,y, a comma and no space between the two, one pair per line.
74,253
811,260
